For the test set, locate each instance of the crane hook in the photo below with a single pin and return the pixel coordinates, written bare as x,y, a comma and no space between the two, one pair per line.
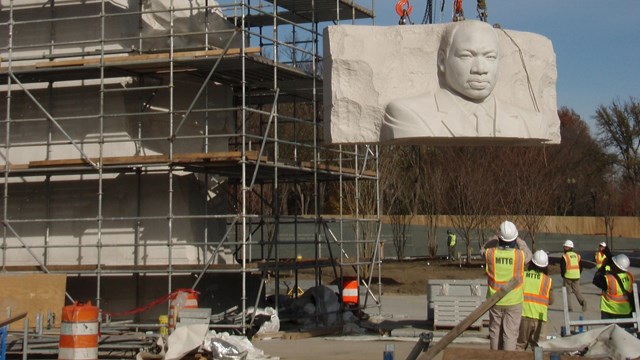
458,12
402,11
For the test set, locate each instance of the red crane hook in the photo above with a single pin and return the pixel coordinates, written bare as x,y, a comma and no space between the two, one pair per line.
400,8
458,6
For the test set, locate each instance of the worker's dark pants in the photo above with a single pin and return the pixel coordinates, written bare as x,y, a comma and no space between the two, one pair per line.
531,332
452,252
573,286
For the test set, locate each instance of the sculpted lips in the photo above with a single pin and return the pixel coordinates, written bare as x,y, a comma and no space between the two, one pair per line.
478,84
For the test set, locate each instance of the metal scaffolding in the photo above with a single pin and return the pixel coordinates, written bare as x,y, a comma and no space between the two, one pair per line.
148,143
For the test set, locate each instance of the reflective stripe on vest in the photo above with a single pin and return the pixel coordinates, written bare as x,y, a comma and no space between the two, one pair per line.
599,259
613,301
572,261
536,295
501,266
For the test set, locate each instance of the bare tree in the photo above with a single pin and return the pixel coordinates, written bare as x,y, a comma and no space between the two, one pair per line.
469,192
619,129
401,166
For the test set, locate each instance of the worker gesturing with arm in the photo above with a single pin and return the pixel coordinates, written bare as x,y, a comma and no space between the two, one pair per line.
504,261
571,268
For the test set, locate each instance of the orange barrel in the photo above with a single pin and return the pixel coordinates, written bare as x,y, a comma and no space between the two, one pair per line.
350,292
183,299
79,332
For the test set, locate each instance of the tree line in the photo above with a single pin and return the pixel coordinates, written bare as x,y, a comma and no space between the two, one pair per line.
585,175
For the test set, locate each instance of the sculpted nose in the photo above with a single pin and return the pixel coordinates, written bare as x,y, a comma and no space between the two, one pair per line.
479,66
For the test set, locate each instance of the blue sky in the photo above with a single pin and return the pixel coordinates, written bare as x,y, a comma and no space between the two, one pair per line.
597,43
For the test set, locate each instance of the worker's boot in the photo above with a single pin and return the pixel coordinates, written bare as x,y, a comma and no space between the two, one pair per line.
584,306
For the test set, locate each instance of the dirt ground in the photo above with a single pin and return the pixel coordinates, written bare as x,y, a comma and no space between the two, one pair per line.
410,277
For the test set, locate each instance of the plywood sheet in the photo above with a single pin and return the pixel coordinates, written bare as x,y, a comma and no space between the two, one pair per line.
32,293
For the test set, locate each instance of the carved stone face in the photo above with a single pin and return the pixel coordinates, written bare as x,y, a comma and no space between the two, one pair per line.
471,64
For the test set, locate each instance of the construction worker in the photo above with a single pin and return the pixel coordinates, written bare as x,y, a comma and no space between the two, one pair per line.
505,257
537,298
451,245
616,284
600,256
570,269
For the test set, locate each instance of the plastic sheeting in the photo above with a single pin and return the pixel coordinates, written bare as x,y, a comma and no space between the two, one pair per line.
189,17
611,341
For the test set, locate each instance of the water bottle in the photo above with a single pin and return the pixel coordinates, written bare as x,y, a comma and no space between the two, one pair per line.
388,352
580,327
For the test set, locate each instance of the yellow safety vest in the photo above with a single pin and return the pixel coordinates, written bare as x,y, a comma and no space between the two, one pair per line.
572,261
600,256
613,301
536,295
502,265
452,240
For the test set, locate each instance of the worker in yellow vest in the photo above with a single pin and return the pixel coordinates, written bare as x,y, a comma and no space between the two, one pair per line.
570,269
616,284
451,245
505,258
600,255
537,298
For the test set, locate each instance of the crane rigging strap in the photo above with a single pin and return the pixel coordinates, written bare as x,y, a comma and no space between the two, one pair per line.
482,10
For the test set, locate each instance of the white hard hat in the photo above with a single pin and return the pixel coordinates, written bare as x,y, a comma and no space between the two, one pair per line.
568,243
508,231
621,261
540,258
603,244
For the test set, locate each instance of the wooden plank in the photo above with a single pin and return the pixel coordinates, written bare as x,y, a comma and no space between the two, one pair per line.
311,333
34,293
217,156
482,354
185,158
128,268
113,60
14,167
115,160
268,336
334,168
13,319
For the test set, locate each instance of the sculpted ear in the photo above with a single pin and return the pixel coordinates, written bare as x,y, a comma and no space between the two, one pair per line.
441,58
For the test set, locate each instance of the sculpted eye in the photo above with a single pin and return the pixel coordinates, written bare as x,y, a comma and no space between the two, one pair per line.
491,56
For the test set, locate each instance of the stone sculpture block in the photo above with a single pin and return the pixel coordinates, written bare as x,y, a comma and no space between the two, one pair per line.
463,83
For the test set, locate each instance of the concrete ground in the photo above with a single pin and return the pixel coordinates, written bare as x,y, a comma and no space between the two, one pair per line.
405,316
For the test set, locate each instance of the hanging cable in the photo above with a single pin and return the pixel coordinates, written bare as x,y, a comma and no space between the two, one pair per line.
428,13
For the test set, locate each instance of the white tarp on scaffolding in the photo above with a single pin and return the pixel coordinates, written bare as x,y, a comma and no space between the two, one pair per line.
611,342
73,27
